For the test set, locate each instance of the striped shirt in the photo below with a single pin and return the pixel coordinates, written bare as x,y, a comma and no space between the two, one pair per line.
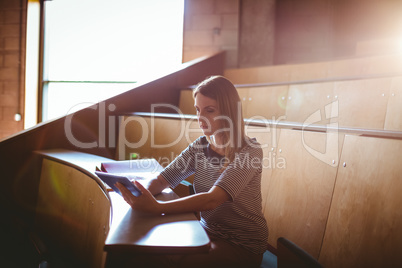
240,220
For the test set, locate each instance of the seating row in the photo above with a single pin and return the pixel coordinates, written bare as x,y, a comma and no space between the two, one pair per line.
369,103
335,69
73,211
333,192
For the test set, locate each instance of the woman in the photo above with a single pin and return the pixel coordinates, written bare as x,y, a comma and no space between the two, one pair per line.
227,183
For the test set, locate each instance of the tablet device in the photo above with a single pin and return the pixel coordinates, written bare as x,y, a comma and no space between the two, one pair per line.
111,179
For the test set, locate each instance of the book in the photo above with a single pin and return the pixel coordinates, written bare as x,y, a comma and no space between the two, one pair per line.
133,169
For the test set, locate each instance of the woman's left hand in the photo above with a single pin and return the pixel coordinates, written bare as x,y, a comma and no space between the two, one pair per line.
146,202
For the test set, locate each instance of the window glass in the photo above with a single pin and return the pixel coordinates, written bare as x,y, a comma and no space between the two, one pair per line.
107,41
66,98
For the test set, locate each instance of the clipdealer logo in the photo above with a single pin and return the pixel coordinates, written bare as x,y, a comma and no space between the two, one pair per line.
330,155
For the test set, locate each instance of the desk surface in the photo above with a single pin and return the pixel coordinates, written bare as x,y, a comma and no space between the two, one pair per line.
135,231
132,230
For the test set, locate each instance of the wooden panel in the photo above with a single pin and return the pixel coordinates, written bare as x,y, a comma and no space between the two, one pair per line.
362,103
243,94
186,102
393,118
72,214
307,100
391,63
365,219
299,192
278,73
242,76
311,71
268,138
384,64
153,137
348,67
265,74
268,102
273,74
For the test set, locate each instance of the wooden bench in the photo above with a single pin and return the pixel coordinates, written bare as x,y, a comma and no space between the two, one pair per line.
366,103
73,211
390,64
321,185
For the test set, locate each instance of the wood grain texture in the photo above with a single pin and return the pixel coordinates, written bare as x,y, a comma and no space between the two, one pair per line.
305,100
393,118
268,138
363,103
311,71
267,102
159,138
73,214
336,69
365,219
186,102
299,193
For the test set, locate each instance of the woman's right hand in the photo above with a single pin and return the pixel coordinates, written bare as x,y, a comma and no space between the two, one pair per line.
146,202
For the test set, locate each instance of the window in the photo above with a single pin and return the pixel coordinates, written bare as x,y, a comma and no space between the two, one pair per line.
95,49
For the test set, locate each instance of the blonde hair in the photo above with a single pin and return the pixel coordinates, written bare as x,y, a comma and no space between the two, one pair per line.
229,104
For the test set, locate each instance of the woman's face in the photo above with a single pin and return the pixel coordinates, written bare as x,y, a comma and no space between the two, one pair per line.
207,114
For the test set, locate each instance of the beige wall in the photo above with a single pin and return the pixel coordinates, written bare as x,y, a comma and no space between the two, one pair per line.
211,26
257,33
303,30
361,21
12,58
265,32
243,28
311,30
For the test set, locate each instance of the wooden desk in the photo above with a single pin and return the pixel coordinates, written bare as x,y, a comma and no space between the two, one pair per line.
132,231
139,232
